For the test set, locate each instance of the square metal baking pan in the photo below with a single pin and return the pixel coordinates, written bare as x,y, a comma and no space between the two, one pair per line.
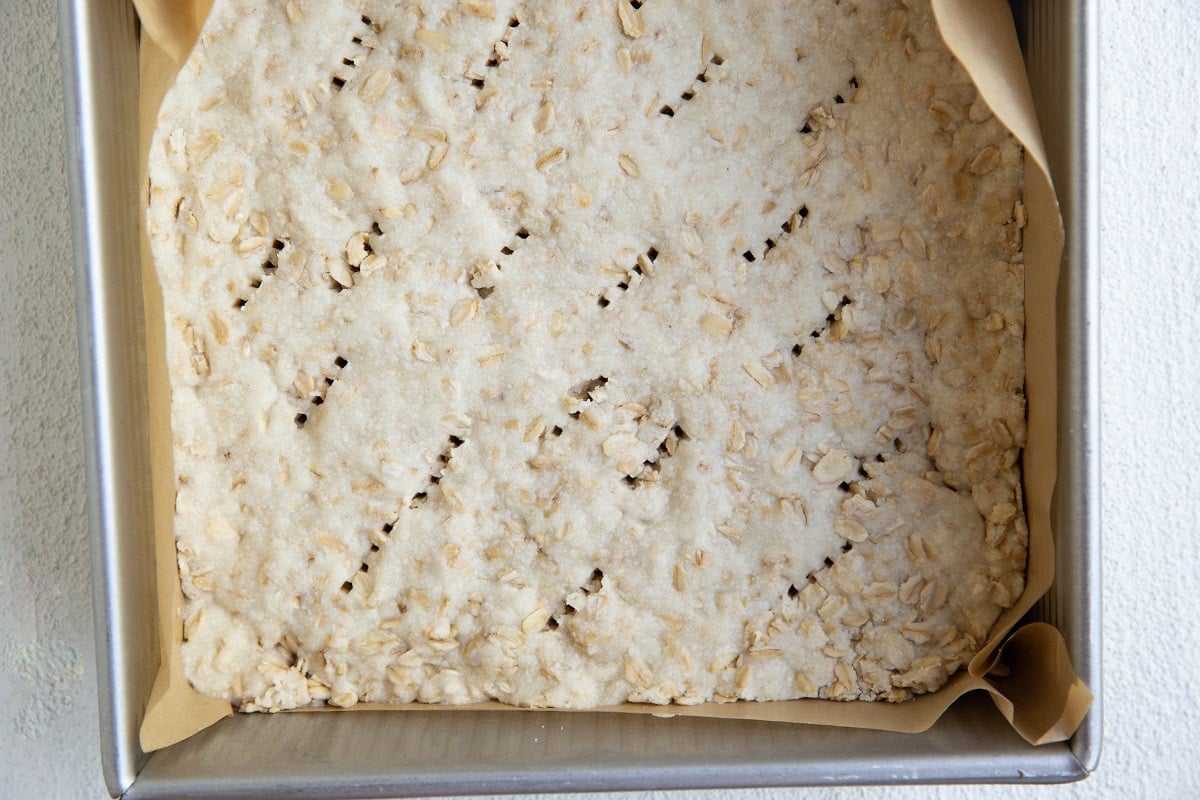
381,754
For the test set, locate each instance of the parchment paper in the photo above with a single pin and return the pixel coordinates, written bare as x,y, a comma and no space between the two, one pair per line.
1028,672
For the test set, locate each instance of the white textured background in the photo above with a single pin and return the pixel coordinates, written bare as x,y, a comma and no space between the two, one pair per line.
1151,374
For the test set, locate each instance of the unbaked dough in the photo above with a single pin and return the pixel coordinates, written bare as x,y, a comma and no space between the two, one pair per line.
575,353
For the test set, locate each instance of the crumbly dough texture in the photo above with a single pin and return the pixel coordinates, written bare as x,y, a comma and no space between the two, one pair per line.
573,353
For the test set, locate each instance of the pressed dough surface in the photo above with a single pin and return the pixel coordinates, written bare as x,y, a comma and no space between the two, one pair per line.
558,365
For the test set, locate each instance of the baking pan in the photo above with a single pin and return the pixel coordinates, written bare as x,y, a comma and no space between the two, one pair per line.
382,754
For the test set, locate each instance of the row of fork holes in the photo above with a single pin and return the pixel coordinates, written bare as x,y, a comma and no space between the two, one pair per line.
355,269
793,592
847,545
651,255
594,584
453,443
789,226
493,61
269,265
522,234
319,398
798,348
337,83
838,99
663,452
669,110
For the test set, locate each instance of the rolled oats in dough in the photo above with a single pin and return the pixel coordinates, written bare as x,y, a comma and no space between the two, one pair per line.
573,353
